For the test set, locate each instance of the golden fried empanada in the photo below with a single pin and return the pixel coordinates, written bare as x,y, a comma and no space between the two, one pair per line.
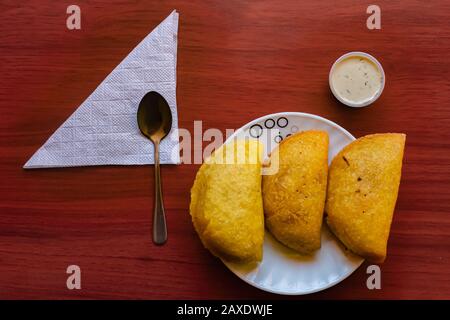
226,202
363,185
294,197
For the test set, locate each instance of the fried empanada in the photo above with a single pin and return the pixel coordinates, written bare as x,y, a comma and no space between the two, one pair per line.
294,197
226,202
363,185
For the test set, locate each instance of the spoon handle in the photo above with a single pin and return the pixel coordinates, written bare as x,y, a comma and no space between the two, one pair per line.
159,217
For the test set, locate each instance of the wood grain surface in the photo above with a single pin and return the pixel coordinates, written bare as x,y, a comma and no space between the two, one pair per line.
237,60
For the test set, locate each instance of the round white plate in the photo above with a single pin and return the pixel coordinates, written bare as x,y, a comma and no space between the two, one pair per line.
282,270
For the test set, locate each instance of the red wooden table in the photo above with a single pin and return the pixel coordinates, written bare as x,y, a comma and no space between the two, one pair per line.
237,60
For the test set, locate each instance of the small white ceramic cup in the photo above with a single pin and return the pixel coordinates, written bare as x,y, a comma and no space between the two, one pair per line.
366,102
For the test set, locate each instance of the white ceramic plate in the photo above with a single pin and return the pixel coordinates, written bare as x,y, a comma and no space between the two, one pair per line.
282,270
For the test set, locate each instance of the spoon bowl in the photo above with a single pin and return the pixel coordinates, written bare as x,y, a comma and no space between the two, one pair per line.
155,121
154,116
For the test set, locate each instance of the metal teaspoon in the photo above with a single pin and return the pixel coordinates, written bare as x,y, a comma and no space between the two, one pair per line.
155,120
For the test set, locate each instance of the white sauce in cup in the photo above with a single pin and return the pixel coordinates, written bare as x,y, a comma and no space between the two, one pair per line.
357,79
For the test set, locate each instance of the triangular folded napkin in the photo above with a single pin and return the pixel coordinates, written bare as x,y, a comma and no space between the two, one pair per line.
103,130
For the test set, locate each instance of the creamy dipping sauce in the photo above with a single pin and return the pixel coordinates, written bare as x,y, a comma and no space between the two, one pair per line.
356,79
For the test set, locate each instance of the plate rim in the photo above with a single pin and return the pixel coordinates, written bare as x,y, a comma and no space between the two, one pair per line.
336,126
291,113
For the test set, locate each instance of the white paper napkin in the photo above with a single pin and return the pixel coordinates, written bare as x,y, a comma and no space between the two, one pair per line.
103,130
